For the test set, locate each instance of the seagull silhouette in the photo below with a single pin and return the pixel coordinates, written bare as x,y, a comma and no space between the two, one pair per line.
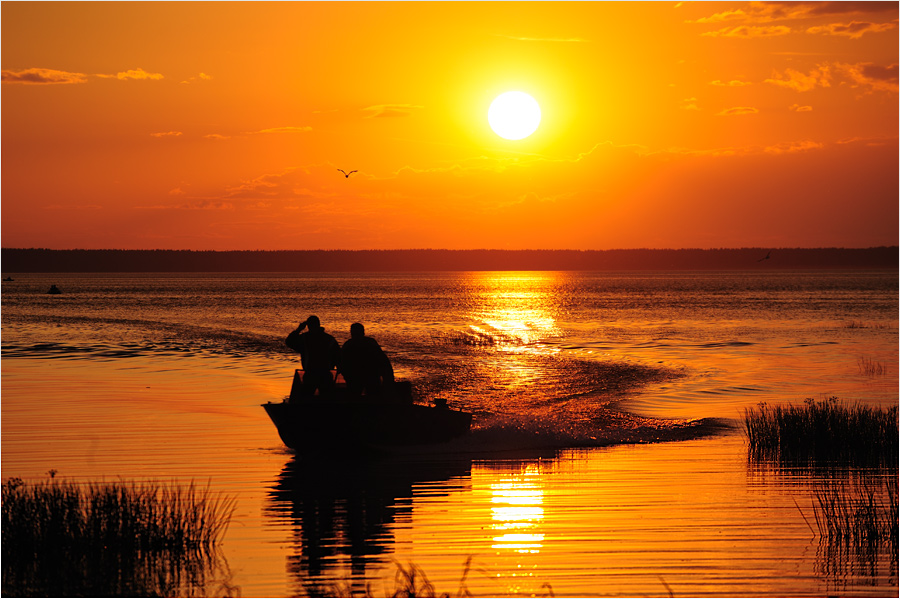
346,175
768,255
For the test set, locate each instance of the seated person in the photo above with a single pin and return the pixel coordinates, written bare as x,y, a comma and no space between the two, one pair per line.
365,366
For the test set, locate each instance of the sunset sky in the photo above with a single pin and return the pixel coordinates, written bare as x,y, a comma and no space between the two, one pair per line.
219,126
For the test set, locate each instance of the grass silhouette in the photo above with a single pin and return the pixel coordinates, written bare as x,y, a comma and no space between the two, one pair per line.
112,539
819,433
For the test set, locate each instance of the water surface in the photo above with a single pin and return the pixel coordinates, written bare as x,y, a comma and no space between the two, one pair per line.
161,376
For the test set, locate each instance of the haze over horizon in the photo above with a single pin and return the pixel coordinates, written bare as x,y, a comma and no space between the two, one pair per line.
223,126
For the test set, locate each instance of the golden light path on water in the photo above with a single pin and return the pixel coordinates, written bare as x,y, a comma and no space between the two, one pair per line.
518,512
516,309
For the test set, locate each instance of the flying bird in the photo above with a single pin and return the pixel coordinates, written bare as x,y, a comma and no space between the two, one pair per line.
346,175
768,255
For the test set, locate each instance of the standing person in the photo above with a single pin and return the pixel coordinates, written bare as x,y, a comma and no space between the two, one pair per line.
319,353
364,364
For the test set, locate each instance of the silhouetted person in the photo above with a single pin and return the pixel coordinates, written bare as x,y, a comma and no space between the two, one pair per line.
54,290
364,364
319,353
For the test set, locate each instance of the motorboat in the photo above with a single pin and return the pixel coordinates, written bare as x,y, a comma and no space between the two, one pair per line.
346,423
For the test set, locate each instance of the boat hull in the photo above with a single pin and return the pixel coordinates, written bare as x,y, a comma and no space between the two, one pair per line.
342,424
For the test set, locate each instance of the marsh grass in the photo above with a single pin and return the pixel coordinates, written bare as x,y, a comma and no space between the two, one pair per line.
858,324
820,433
474,339
861,513
112,539
410,581
870,367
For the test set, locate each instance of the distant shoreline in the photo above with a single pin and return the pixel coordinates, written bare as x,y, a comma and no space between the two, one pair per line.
35,260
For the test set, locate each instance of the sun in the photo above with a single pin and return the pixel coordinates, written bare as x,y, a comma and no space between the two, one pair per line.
514,115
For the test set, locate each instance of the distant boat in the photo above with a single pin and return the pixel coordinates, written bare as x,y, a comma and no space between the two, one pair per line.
9,279
54,290
345,424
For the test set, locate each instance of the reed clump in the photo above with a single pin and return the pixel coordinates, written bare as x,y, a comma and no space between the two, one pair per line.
409,581
823,432
111,539
870,367
859,515
474,339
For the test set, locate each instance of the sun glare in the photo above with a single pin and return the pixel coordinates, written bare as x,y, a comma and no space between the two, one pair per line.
514,115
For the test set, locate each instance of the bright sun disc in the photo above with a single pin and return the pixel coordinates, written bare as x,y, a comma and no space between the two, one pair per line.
514,115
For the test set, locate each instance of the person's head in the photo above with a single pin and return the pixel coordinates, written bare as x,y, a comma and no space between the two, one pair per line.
313,323
357,330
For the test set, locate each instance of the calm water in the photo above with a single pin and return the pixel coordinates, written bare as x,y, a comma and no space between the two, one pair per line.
568,375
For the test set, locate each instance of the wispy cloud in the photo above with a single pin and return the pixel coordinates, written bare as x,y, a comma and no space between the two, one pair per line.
819,77
200,77
853,30
721,17
43,77
871,76
390,110
749,31
799,108
166,134
767,12
133,74
792,147
689,104
732,83
738,110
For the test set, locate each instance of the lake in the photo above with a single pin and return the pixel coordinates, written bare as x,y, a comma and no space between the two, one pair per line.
606,456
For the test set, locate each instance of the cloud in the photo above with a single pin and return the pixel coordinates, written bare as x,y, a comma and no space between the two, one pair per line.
216,136
866,75
689,104
42,77
732,83
853,30
302,129
728,15
137,74
390,110
738,110
748,31
819,77
795,146
874,77
798,108
166,134
767,12
200,77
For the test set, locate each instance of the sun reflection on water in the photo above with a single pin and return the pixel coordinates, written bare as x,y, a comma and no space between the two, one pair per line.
517,512
516,310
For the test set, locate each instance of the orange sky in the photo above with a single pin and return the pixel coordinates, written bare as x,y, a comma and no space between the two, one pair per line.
665,125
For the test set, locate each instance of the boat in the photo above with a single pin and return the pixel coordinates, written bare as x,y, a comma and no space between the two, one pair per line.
346,423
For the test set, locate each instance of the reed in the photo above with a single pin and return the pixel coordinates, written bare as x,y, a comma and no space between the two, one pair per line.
858,324
474,339
870,367
409,581
110,539
859,514
822,432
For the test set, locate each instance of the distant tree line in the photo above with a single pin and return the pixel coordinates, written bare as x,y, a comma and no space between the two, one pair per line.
33,260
